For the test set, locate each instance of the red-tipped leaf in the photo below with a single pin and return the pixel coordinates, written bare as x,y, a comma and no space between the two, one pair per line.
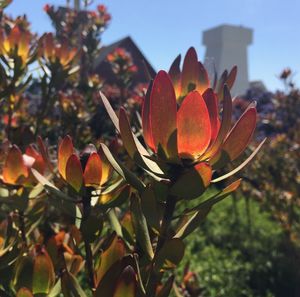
194,128
74,175
163,108
14,167
93,170
190,71
65,150
211,101
241,134
175,75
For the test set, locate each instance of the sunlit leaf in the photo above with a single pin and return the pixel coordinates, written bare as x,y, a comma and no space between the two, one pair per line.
74,175
65,150
14,168
212,105
194,128
190,71
241,134
163,109
175,75
93,170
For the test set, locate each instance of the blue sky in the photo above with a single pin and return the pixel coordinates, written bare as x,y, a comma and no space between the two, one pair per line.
165,28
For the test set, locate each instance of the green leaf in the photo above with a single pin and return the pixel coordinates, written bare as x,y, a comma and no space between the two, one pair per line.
170,255
150,208
140,226
43,274
192,218
55,290
192,183
126,174
142,151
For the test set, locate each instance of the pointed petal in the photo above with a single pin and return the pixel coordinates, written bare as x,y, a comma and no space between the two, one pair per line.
74,175
14,166
163,110
175,75
190,72
211,101
93,170
241,134
194,128
65,150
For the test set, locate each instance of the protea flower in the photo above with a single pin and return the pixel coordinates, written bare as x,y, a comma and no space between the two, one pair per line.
54,52
16,44
17,166
87,170
184,130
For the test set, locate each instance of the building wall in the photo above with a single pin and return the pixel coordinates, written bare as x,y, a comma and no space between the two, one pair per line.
227,46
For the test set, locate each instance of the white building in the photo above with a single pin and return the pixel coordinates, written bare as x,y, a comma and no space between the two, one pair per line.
226,46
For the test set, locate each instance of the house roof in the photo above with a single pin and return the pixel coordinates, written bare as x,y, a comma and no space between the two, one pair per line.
129,45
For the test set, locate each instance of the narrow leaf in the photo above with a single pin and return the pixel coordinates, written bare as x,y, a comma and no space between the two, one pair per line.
140,226
122,170
241,166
